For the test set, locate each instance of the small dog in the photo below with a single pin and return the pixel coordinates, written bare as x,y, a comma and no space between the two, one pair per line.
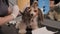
30,18
54,13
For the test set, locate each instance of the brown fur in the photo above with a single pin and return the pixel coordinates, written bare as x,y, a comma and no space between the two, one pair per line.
40,14
29,20
54,13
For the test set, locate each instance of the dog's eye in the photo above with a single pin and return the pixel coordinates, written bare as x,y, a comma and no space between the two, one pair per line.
35,10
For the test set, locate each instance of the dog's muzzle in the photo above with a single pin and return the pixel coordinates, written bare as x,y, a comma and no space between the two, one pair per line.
31,14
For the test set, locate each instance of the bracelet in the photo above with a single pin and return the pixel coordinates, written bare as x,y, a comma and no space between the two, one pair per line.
13,16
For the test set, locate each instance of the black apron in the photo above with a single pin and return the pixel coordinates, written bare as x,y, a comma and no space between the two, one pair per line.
3,10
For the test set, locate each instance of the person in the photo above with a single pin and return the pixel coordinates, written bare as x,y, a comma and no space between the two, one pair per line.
6,14
7,18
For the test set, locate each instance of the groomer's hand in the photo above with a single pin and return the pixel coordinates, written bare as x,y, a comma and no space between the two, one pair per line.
15,11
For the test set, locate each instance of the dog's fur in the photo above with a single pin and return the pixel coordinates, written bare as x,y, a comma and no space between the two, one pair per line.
30,18
54,13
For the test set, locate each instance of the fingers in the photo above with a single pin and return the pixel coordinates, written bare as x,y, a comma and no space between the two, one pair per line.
15,11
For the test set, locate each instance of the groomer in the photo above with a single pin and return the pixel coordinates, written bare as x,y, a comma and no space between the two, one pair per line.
6,14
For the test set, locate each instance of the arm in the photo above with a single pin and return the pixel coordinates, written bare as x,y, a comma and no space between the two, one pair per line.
13,15
5,19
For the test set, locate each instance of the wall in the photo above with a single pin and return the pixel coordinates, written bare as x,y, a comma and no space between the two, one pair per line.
45,3
22,4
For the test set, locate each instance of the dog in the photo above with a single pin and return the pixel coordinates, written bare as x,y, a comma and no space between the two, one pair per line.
30,18
54,13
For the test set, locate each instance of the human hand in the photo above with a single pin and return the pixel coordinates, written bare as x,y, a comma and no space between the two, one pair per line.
15,11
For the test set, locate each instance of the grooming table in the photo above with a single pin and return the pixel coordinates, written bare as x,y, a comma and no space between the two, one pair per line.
42,30
51,23
47,22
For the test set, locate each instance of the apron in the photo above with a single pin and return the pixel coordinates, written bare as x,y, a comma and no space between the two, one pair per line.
4,12
3,9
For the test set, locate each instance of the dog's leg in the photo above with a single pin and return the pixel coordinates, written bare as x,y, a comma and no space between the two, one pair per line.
34,25
22,28
51,16
17,25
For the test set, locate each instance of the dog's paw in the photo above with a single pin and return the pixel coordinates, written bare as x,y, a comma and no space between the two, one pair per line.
12,22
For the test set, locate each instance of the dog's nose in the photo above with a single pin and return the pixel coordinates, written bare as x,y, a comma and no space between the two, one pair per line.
31,14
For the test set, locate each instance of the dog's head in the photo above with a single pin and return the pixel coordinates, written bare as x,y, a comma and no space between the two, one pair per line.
36,13
33,12
34,9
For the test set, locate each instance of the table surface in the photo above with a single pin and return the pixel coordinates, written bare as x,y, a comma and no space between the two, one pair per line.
47,22
51,23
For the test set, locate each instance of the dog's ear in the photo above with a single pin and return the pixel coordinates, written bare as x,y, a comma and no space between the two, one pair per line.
40,15
21,12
